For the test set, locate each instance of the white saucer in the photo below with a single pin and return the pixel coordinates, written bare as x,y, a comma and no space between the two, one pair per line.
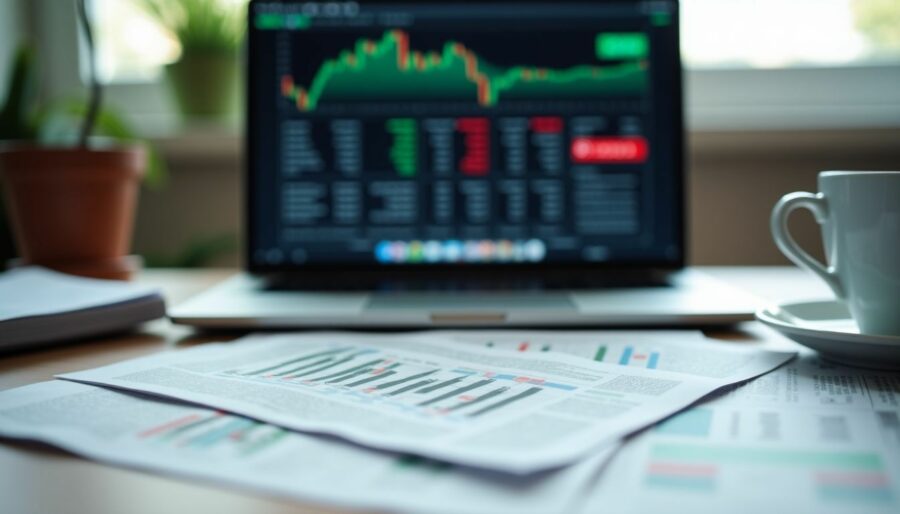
826,326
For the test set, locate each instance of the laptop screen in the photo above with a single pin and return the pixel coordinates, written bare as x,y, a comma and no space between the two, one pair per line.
478,134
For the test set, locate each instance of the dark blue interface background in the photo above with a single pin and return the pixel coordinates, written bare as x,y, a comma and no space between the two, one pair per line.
464,134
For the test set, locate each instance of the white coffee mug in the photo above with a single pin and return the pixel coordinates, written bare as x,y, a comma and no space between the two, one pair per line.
859,212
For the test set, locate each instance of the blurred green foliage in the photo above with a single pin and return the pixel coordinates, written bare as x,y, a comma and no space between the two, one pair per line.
17,114
202,25
879,20
58,126
24,118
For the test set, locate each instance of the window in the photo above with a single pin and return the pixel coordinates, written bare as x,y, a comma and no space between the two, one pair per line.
132,46
792,64
812,63
715,34
790,33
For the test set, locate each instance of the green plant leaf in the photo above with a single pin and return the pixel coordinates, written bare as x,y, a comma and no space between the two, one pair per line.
201,25
59,124
16,116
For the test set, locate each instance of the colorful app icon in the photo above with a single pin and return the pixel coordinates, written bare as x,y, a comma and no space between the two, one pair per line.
486,251
471,251
399,252
433,251
415,252
384,252
519,251
453,251
535,250
504,251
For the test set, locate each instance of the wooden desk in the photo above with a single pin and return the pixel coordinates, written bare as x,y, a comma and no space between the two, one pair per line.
38,479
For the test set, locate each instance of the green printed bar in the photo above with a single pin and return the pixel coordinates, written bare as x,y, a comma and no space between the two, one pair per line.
746,455
601,353
855,494
263,443
622,45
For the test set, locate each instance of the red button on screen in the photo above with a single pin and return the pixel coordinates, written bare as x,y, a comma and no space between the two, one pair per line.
609,150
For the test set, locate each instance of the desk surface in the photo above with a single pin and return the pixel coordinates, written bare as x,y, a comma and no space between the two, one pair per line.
35,478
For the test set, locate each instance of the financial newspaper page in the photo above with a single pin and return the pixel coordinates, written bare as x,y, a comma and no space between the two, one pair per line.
810,437
681,351
422,394
204,444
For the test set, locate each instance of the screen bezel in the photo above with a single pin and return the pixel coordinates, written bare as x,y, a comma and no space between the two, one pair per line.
679,169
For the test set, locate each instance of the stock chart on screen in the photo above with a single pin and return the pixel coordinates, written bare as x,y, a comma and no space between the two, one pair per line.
478,133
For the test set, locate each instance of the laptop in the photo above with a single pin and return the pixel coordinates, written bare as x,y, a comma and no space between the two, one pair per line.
421,164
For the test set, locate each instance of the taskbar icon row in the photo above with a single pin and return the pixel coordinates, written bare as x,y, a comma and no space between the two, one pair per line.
455,251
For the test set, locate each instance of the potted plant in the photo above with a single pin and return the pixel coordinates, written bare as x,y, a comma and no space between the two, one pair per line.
205,78
71,207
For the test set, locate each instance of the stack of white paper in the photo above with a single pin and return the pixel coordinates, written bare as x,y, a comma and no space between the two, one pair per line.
39,306
426,422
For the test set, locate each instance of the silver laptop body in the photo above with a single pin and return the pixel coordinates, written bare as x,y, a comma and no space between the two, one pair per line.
419,164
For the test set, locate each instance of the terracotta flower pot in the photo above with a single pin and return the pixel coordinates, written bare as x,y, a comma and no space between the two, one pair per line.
72,209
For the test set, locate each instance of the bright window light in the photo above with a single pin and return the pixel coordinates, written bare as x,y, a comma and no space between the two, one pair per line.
132,46
790,33
715,34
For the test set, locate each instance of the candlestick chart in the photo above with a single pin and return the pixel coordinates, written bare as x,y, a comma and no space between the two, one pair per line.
390,68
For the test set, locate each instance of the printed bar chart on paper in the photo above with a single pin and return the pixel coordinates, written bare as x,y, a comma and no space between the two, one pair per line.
424,393
809,437
215,431
190,442
644,359
680,351
835,474
372,375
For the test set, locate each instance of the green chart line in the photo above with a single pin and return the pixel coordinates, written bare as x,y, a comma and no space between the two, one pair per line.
388,68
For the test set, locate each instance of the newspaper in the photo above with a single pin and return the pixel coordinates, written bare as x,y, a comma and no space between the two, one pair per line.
425,394
200,443
810,437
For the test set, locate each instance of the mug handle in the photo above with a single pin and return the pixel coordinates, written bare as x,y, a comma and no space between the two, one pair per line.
789,247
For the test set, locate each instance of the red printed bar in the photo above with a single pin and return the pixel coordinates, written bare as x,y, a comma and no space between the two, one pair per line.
609,150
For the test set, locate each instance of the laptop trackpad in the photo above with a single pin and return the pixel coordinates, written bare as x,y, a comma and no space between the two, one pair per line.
461,302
